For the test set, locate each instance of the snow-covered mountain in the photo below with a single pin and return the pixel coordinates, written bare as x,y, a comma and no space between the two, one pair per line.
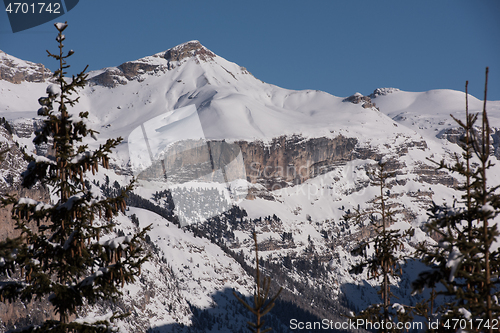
303,160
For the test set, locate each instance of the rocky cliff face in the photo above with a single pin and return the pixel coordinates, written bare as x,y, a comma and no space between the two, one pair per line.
292,160
11,162
288,161
282,162
285,161
456,135
131,70
16,71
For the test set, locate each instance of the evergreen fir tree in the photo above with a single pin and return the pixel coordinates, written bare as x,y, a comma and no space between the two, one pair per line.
385,263
64,252
464,262
263,302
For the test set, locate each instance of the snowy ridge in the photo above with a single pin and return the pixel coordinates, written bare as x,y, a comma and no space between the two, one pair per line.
429,112
16,70
300,224
234,105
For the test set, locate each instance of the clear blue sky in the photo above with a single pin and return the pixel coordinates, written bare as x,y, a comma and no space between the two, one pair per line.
340,47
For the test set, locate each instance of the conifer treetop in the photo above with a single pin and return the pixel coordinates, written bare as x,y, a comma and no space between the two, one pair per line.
463,263
71,258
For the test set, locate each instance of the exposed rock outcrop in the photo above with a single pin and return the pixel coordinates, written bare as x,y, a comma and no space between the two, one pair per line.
113,76
189,49
358,98
292,160
282,162
16,71
11,164
25,128
382,92
131,70
457,135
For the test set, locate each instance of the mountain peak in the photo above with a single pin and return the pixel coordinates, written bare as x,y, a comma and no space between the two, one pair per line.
162,61
15,70
186,50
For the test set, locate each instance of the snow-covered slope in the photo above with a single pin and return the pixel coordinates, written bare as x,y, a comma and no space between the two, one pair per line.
185,274
428,113
308,157
234,105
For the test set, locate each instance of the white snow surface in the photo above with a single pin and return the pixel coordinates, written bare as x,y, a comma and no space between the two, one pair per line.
234,105
195,273
231,105
60,25
454,260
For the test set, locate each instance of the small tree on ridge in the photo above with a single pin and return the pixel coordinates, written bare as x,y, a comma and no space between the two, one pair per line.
385,262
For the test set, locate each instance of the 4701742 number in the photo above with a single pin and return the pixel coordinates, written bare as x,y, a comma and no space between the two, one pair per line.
471,324
33,8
